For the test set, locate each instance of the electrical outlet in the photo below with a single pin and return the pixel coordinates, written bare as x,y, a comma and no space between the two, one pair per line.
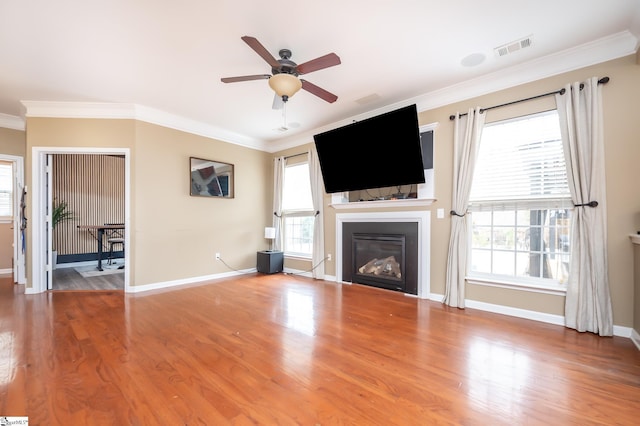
329,257
217,256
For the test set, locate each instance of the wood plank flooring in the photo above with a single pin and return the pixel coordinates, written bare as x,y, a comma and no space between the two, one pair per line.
69,279
286,350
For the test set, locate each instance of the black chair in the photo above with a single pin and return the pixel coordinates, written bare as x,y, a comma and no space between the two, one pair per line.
115,237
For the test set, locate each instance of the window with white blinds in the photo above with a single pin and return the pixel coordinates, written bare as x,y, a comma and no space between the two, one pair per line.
6,191
521,162
520,205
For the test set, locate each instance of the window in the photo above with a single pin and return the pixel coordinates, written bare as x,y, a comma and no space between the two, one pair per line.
297,211
6,191
520,203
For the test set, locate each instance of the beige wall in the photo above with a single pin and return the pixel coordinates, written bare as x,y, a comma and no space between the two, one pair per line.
178,235
622,127
68,132
6,245
174,236
12,142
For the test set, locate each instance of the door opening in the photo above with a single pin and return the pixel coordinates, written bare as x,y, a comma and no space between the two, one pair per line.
42,199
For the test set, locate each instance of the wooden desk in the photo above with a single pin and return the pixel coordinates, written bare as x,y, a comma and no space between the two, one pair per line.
100,229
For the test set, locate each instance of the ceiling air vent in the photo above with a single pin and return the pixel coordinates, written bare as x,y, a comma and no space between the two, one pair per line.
514,46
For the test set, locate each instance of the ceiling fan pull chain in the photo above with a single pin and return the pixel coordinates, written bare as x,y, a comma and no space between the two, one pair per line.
284,115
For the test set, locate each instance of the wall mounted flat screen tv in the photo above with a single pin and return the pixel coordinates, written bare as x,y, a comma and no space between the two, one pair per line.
382,151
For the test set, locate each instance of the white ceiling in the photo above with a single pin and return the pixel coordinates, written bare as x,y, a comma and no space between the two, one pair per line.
167,57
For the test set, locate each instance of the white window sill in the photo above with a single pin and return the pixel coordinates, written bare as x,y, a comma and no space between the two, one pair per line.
555,289
297,256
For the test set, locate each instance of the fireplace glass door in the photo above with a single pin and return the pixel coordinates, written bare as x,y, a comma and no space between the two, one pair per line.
378,260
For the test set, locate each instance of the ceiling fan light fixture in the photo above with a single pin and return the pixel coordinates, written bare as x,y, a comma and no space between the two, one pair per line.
285,85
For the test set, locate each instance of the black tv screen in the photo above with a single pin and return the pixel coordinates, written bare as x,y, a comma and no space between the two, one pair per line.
382,151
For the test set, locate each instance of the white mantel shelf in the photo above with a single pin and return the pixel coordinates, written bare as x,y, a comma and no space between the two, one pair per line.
414,202
635,238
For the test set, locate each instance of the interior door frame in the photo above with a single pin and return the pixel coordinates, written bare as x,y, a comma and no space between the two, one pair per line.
40,224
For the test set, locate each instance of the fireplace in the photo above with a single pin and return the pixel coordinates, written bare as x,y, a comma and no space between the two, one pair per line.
401,236
381,254
379,260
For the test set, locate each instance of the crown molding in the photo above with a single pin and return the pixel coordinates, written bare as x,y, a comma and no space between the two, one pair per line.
187,125
58,109
11,122
601,50
124,111
596,52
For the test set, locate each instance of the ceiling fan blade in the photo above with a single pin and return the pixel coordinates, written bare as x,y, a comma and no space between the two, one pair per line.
278,103
245,78
326,61
261,50
318,91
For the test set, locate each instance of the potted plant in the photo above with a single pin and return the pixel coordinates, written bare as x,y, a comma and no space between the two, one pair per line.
59,213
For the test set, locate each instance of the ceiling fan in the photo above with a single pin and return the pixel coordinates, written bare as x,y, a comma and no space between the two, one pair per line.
284,79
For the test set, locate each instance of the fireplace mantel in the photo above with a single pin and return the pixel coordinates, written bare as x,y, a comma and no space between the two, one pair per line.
407,202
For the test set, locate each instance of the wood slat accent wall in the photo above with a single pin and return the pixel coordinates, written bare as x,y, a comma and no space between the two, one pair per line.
93,187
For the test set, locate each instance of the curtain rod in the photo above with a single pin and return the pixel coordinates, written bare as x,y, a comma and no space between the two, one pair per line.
295,155
603,80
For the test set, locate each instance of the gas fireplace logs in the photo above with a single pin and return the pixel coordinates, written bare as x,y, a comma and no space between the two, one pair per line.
387,266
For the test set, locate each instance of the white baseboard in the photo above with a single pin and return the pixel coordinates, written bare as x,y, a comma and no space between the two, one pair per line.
635,338
307,274
8,271
516,312
331,278
186,281
532,315
297,272
79,264
621,331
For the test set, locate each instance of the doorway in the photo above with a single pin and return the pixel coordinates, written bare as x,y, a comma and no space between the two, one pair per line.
41,234
13,218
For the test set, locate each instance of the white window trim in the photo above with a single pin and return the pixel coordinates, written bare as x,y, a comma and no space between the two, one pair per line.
298,256
529,284
514,283
292,213
11,192
297,213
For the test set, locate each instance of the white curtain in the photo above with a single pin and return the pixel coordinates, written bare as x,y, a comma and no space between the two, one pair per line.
278,179
588,301
317,195
466,140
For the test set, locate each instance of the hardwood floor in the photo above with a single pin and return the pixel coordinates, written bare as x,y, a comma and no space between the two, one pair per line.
276,349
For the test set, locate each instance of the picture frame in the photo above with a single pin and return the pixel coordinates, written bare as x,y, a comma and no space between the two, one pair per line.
211,178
